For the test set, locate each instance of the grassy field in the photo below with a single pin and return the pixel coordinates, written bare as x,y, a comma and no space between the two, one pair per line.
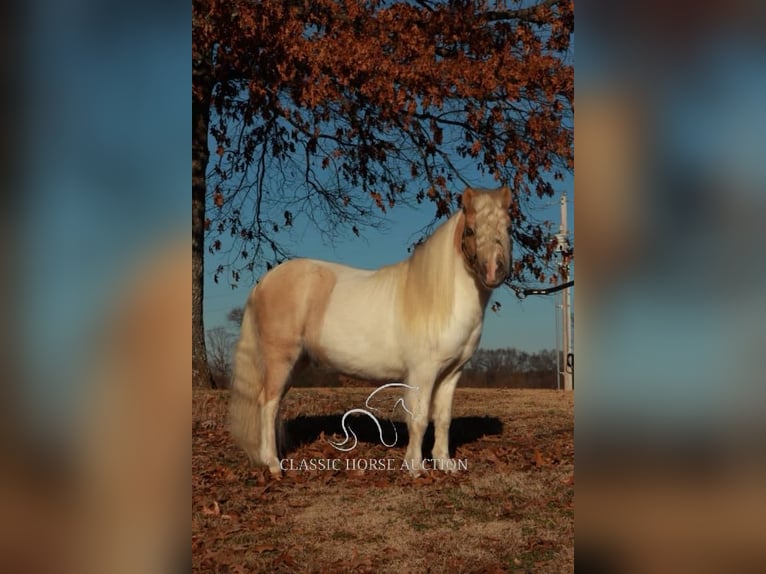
512,510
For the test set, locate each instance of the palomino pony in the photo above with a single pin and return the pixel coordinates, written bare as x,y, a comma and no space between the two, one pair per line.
417,321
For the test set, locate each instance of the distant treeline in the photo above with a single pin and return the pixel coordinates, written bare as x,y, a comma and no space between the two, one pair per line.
511,368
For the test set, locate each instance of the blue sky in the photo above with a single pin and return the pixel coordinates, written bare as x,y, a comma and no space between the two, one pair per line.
527,325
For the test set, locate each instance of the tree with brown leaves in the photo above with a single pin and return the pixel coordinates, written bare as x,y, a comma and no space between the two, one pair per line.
339,109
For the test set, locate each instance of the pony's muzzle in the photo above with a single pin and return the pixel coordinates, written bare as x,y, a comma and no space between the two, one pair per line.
494,272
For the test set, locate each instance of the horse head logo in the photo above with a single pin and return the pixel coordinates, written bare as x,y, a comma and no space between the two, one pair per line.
348,431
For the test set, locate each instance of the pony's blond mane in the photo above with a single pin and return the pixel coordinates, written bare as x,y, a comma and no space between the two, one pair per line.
426,282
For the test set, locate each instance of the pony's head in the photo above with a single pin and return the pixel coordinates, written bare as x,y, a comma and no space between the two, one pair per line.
485,242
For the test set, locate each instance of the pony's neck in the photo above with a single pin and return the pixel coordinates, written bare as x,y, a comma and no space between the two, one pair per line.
427,293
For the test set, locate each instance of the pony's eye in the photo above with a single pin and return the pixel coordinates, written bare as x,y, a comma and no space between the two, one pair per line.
469,231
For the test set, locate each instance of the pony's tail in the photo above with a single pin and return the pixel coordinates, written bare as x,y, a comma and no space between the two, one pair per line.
247,386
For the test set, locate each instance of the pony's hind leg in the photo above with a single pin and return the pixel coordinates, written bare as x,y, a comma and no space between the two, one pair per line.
288,304
276,378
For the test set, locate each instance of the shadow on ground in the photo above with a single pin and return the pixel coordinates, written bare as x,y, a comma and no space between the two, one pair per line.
306,429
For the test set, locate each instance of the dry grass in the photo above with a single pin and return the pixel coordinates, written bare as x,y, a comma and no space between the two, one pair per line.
511,511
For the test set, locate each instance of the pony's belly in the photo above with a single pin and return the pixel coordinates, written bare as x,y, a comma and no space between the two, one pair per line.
362,353
358,332
360,341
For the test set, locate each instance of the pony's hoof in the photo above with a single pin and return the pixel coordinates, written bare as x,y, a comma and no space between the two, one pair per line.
272,463
445,464
414,466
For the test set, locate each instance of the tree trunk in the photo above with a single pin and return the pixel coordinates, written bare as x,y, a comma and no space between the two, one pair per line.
202,83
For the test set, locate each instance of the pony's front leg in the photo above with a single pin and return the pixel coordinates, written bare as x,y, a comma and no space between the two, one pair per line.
417,401
441,413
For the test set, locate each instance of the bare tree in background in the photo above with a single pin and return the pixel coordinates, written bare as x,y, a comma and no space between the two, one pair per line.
235,316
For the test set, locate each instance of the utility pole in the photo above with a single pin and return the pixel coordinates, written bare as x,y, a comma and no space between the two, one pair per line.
566,322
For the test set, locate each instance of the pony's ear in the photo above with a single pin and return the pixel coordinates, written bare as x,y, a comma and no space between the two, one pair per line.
467,198
505,197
